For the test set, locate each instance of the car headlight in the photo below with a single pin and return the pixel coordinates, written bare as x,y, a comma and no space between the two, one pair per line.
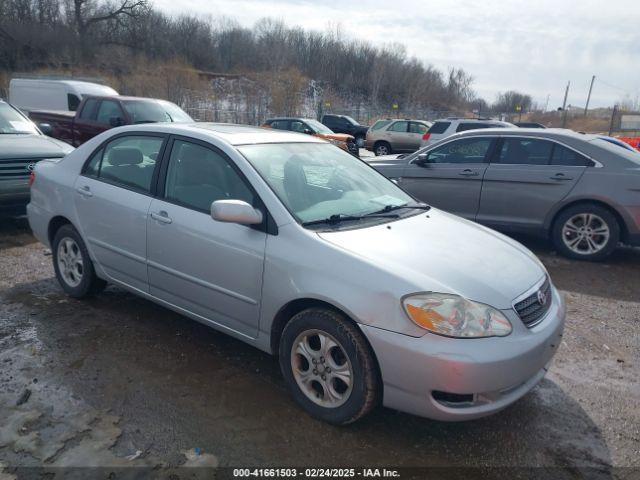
454,316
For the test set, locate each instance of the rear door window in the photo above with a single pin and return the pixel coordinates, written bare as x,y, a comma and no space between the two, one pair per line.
439,127
525,151
298,126
127,161
567,157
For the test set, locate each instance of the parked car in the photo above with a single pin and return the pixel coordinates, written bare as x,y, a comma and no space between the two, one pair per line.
60,95
617,141
97,114
448,126
529,125
315,128
578,190
398,135
346,124
22,146
302,250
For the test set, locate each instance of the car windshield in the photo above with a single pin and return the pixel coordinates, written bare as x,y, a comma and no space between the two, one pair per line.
317,126
146,111
12,122
319,181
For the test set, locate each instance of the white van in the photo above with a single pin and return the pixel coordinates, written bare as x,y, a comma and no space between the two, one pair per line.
63,95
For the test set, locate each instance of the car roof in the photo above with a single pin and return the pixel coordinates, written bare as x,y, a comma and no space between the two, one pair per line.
530,132
288,118
230,133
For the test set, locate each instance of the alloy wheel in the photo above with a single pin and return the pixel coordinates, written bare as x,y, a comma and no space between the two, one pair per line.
321,368
382,150
585,233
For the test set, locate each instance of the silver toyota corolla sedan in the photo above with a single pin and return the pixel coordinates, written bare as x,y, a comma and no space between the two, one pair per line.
298,248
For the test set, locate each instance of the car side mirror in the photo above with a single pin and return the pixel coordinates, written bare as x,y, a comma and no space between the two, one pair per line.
422,160
235,211
307,131
46,128
116,121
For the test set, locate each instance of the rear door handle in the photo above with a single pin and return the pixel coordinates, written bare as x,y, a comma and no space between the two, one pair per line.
560,177
161,217
467,172
85,191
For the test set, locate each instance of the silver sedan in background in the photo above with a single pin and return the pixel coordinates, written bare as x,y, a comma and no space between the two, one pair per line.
302,250
579,190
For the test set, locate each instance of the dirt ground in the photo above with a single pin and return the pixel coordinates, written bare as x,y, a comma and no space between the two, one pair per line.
118,381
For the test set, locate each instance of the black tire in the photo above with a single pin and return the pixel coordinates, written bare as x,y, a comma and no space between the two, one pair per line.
89,283
366,385
382,148
605,216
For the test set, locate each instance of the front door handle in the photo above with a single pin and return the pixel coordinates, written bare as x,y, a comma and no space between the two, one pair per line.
560,177
85,191
467,172
162,217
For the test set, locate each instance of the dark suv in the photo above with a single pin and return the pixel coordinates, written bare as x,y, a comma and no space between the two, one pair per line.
346,124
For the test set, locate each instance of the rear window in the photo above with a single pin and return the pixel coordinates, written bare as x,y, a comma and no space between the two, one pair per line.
439,127
88,112
472,126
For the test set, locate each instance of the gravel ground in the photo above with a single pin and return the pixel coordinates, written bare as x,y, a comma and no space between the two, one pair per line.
116,376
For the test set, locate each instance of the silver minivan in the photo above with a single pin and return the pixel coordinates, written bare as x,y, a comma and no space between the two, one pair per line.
304,251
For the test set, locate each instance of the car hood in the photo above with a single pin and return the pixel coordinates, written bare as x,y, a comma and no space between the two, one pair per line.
31,146
437,251
342,137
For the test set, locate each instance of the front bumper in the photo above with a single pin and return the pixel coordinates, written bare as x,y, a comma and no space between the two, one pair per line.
491,372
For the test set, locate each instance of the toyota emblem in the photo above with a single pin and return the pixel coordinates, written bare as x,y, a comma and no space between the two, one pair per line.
542,297
30,167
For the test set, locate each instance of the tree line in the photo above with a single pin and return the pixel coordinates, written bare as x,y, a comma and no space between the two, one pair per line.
113,35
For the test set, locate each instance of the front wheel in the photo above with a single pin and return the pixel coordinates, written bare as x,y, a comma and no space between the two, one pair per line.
73,267
328,366
586,232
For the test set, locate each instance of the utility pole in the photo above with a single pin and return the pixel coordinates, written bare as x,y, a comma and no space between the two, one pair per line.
546,105
586,107
564,105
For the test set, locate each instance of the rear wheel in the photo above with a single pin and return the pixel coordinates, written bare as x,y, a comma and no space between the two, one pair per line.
328,366
586,232
382,148
73,267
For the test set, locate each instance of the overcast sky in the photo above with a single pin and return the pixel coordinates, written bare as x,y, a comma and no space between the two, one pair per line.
534,46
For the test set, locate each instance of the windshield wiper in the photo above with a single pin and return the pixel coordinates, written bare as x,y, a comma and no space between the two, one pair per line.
337,218
391,208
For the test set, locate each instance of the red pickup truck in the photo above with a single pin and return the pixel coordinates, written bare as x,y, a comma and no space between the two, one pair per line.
97,114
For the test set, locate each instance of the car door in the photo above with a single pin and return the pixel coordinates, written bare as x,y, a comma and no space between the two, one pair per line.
112,198
416,132
85,125
451,176
209,268
397,134
527,176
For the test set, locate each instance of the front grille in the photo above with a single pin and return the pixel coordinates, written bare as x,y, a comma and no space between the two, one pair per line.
531,309
17,168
